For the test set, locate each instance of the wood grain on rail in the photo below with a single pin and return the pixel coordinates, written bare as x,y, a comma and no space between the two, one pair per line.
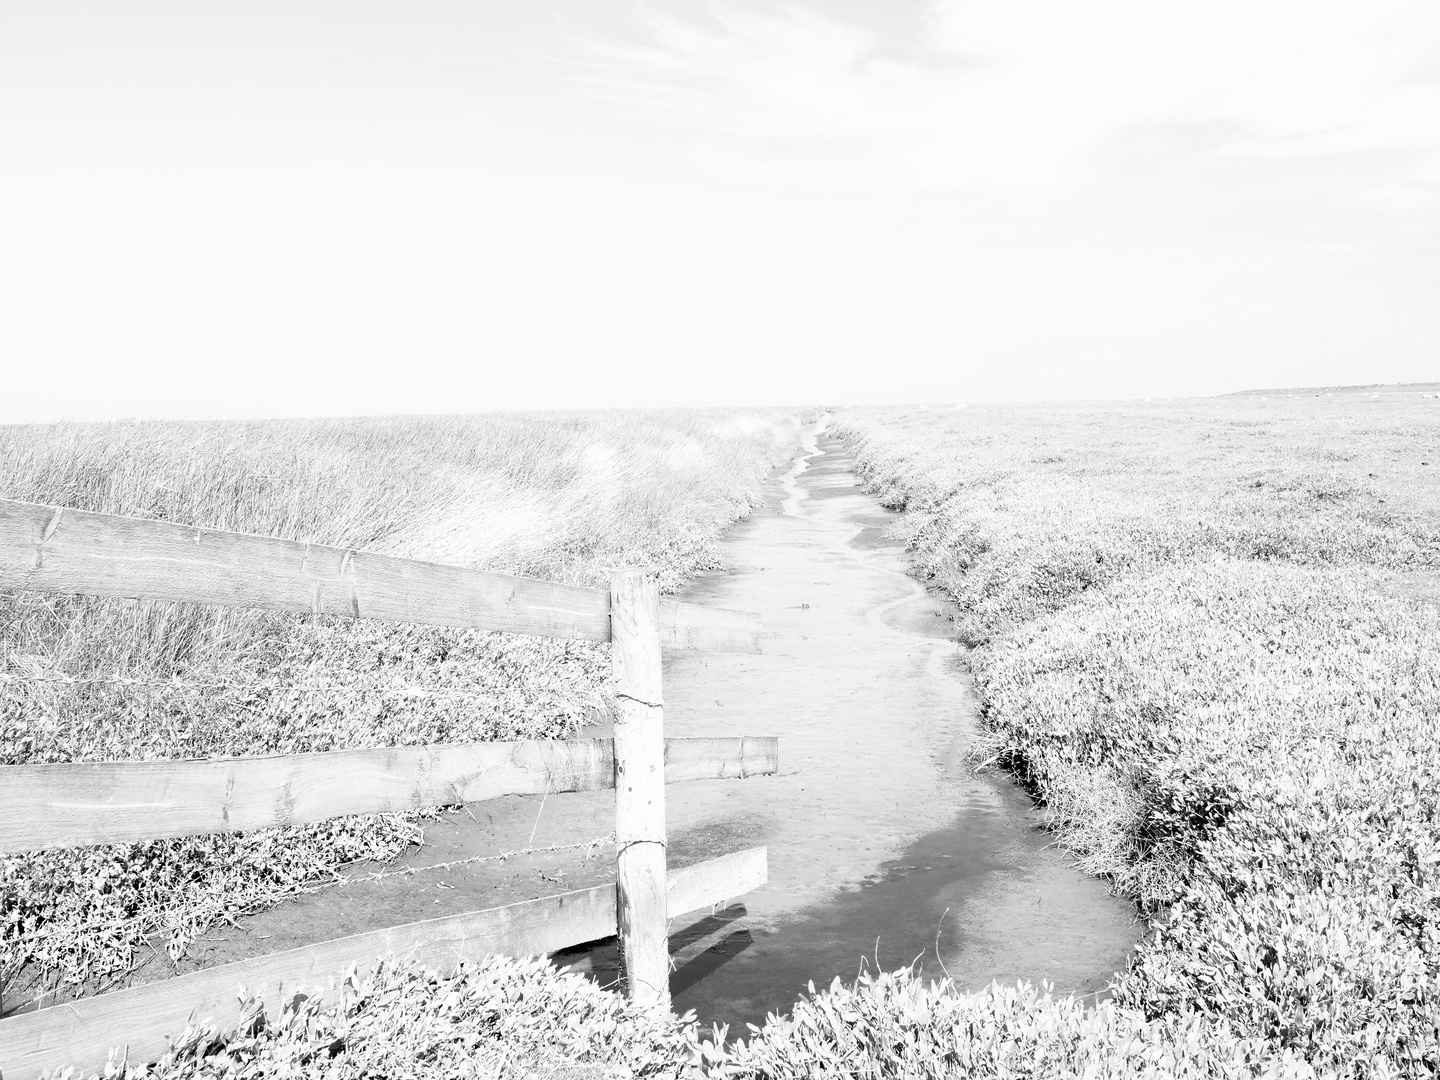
695,626
68,805
140,1021
715,881
60,550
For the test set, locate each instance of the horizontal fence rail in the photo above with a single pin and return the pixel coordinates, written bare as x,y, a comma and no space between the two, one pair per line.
60,550
68,805
714,881
57,550
139,1020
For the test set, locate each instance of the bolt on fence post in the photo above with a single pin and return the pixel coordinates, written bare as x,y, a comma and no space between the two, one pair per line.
639,786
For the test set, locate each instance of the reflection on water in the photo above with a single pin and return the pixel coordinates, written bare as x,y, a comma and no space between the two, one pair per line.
919,909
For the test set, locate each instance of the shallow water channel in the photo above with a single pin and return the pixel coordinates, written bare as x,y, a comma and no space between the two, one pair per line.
884,847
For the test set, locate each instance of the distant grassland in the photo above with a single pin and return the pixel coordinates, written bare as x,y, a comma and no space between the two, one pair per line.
559,496
1207,636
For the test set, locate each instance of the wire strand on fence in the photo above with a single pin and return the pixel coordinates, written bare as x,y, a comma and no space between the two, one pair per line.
404,871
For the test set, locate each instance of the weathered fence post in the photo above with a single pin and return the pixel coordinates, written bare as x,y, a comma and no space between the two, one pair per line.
639,786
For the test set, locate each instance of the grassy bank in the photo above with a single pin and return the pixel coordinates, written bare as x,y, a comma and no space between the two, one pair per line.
505,1019
557,496
1205,635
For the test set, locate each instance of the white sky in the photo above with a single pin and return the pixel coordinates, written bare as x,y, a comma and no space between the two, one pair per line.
280,207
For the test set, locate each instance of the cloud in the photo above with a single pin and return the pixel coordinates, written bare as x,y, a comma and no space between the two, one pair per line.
739,197
1024,91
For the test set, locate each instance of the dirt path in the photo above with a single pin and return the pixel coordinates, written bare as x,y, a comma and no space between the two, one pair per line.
874,826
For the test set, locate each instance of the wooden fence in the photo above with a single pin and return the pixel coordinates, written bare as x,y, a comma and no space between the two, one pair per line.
58,550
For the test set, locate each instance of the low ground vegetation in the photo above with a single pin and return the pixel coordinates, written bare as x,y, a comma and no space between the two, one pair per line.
499,1019
558,496
504,1019
1205,635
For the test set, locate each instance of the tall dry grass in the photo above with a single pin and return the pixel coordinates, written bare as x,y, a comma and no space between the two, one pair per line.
559,496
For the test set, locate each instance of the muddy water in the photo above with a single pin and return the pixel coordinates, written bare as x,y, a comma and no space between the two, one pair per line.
883,845
884,848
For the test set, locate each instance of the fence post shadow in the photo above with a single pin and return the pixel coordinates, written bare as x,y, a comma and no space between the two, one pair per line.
704,947
696,951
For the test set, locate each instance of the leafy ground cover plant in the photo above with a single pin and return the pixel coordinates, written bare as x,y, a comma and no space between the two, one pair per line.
499,1018
895,1025
1205,637
559,496
504,1018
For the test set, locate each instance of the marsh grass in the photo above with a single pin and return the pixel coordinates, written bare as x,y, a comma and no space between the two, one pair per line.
558,496
1204,638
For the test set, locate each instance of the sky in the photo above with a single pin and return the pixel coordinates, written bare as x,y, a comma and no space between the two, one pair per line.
315,207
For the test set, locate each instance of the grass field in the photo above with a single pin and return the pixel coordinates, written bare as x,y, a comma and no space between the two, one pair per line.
1205,634
559,496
